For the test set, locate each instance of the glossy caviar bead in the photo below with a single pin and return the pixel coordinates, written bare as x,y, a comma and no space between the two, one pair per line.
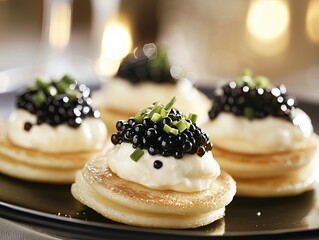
119,125
158,164
152,150
115,139
27,126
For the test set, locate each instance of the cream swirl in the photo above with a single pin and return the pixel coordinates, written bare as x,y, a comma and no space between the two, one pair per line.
131,97
89,136
189,174
267,135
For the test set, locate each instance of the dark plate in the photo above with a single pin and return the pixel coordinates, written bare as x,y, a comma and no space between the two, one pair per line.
53,207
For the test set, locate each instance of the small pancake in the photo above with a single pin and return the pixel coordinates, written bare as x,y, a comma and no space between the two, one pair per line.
108,184
241,165
33,165
84,193
292,183
133,204
35,173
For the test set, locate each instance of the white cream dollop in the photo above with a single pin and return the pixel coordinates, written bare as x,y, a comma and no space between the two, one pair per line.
89,136
123,96
189,174
266,135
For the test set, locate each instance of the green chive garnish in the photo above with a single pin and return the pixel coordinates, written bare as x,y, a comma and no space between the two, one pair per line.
51,90
164,112
137,154
156,117
192,117
167,128
181,126
73,94
247,72
68,80
156,109
38,99
62,87
262,82
41,83
170,104
249,113
174,131
141,114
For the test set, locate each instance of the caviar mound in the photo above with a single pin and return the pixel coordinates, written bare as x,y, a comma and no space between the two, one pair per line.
57,102
163,130
253,98
147,64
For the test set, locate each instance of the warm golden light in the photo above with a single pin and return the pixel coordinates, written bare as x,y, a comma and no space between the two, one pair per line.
312,21
116,41
60,25
116,44
267,25
267,19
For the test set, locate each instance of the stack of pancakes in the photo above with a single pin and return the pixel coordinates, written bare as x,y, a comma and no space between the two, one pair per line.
133,204
36,166
272,175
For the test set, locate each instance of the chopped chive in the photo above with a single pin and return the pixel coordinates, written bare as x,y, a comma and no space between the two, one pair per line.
181,126
247,72
251,84
38,99
192,117
62,87
73,94
137,154
175,123
31,88
262,82
249,113
164,112
240,82
141,114
52,91
156,117
174,131
170,104
167,128
139,117
156,109
187,124
41,83
68,80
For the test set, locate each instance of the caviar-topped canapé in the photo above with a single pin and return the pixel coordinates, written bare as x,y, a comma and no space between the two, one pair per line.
146,64
57,102
162,130
253,98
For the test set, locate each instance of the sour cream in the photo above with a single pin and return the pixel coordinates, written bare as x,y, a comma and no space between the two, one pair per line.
189,174
89,136
266,135
189,99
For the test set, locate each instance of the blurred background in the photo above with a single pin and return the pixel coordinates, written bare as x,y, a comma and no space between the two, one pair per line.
214,39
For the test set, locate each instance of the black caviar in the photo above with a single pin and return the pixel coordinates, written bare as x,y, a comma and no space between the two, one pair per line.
146,64
57,102
252,98
162,135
